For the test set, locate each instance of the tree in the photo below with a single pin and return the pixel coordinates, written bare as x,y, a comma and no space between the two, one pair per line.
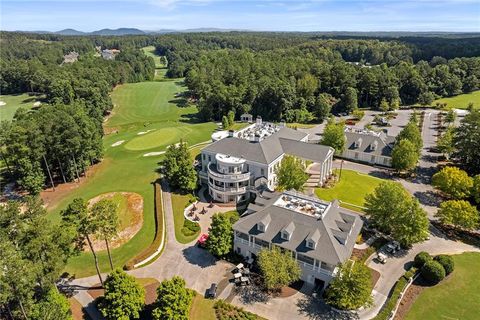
124,297
307,85
278,268
411,226
334,136
393,211
322,107
476,189
220,235
467,143
105,212
453,182
445,142
231,118
433,272
225,123
412,134
53,306
291,174
349,100
178,168
384,107
351,288
173,301
404,156
459,213
450,116
426,98
76,214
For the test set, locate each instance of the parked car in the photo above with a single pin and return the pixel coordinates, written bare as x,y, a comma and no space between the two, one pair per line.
212,291
393,247
381,257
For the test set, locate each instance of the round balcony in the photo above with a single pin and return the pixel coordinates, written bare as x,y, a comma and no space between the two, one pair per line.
226,177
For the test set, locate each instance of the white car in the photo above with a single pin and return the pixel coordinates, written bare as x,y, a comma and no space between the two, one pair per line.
382,258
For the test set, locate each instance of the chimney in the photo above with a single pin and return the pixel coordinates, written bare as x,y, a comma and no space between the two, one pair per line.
230,133
259,121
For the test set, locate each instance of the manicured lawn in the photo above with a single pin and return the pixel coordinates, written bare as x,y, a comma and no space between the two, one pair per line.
301,125
179,203
352,189
138,107
202,309
239,125
461,101
13,102
457,297
150,51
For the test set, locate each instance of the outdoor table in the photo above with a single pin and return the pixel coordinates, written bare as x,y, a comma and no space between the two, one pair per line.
244,279
239,266
237,275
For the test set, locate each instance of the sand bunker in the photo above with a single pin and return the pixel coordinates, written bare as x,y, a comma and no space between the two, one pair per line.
116,144
135,209
2,103
145,132
151,154
37,104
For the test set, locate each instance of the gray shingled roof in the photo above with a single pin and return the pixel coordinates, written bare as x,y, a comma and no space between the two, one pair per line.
334,245
286,140
384,143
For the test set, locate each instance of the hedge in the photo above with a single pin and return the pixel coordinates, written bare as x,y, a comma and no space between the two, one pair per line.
433,272
158,231
447,263
421,258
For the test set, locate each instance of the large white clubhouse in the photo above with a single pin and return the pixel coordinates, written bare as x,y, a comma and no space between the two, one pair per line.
318,234
243,162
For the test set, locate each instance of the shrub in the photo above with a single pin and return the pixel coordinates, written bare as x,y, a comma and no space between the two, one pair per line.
190,227
421,258
433,272
446,262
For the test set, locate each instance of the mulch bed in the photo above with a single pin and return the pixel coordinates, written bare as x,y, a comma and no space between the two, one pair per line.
409,298
77,310
290,290
151,293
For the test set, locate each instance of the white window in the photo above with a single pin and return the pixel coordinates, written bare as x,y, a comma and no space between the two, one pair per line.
284,235
310,244
260,227
262,171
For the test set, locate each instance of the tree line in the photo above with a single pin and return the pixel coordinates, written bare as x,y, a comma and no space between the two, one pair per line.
59,140
302,79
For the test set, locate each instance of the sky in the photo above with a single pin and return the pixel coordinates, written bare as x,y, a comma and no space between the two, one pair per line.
259,15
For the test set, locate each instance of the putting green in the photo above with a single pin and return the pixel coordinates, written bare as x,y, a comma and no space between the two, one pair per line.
154,139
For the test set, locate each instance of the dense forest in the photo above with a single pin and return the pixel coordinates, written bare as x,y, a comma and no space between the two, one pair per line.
63,137
299,79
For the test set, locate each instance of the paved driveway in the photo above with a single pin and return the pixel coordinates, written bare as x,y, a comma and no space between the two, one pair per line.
197,266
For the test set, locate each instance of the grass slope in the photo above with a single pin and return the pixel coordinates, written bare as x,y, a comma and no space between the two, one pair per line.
352,188
150,52
128,170
202,309
13,102
457,297
179,203
461,101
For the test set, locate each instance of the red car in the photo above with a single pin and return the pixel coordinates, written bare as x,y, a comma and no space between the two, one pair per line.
202,241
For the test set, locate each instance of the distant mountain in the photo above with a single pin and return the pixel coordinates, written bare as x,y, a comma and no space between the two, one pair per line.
70,32
117,32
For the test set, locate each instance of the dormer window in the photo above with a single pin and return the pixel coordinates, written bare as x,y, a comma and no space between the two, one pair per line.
358,143
374,145
310,244
261,227
284,235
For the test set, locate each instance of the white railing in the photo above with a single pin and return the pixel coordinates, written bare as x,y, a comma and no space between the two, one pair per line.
227,176
238,190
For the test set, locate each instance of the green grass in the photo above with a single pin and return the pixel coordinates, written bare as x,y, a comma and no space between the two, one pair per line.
352,188
138,107
179,203
239,125
301,125
202,309
150,52
13,102
461,101
456,297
